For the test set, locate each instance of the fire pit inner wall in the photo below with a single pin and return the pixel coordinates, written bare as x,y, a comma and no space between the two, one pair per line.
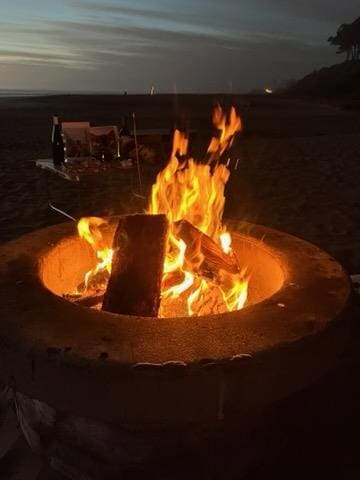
63,267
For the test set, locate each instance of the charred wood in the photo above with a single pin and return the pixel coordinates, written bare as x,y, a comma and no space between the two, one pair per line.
201,250
139,247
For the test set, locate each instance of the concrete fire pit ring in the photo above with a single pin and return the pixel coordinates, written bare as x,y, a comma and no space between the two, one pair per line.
96,391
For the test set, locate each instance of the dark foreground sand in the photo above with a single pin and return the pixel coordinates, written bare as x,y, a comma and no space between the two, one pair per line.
299,170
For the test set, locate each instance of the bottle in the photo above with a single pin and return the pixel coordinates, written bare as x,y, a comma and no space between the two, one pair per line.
57,143
125,130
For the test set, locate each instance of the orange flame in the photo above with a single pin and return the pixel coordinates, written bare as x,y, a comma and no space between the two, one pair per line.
196,296
187,190
88,229
228,128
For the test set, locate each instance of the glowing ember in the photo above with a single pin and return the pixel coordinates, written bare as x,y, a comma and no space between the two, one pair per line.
225,242
191,191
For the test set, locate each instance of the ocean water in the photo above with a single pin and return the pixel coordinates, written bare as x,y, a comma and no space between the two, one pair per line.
7,93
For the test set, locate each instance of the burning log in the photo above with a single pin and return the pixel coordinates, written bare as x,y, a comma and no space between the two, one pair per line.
139,249
201,249
90,301
96,283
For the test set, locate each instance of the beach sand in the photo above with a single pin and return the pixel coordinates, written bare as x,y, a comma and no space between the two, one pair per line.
298,170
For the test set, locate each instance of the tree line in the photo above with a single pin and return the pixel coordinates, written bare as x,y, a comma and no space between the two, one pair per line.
347,39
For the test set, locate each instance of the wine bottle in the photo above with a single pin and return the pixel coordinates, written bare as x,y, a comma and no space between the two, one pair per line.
57,143
125,130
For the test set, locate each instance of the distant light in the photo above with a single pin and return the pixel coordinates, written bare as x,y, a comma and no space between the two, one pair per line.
268,90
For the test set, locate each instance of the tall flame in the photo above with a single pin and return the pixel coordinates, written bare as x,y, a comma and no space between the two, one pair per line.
187,190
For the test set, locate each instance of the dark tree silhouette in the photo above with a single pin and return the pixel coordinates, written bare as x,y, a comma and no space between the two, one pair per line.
347,39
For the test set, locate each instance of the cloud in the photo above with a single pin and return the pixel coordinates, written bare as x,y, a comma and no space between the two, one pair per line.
199,45
134,58
186,18
324,11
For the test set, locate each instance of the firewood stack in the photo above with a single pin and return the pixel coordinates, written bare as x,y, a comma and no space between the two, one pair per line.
139,247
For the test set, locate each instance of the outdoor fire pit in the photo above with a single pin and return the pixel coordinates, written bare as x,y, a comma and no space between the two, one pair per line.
195,325
97,391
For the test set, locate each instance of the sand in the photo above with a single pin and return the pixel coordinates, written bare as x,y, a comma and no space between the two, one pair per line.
298,171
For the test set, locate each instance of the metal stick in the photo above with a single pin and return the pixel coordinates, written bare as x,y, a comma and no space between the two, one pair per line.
137,153
138,196
118,145
62,212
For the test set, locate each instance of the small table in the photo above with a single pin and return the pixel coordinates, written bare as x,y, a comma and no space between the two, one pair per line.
80,170
91,174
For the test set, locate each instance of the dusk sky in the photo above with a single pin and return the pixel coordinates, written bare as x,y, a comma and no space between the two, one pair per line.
176,45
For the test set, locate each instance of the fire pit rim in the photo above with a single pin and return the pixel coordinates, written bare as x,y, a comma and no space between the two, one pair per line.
279,301
260,340
252,241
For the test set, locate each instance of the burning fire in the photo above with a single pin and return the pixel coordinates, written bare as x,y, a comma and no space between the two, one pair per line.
194,192
89,230
227,129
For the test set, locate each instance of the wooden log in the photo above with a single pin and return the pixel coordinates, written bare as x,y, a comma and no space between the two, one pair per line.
201,246
96,283
87,300
139,249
